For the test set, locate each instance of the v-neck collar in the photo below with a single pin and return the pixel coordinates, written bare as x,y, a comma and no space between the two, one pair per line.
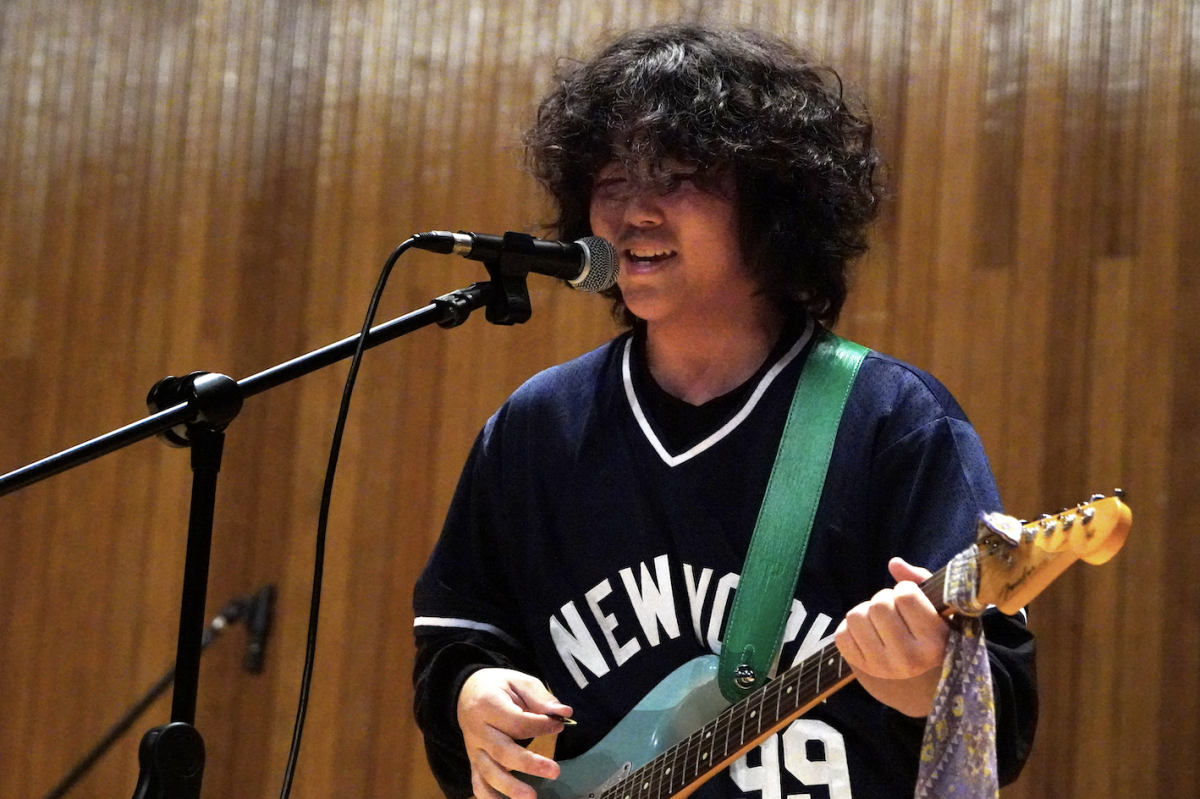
764,382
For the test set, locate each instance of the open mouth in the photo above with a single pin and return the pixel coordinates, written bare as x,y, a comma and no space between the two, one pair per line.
648,256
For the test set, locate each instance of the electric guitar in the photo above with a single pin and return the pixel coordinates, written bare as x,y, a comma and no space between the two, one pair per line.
684,731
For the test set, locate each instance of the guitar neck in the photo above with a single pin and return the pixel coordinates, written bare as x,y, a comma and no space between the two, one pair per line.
680,769
687,764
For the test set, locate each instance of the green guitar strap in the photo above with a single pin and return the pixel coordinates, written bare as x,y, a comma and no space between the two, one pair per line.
768,580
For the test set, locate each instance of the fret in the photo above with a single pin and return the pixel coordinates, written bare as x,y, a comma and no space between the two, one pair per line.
782,695
671,765
742,731
817,682
681,760
754,715
667,771
795,687
708,745
727,725
649,774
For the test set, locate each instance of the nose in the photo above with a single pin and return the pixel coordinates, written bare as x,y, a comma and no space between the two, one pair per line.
643,209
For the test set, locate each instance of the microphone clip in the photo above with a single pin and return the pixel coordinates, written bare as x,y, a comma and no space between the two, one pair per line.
508,297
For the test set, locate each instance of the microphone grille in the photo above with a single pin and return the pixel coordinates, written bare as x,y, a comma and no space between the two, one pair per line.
600,265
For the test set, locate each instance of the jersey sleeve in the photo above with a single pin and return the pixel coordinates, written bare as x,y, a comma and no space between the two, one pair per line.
933,480
461,620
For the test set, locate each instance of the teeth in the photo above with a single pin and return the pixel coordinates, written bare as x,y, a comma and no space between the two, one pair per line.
648,254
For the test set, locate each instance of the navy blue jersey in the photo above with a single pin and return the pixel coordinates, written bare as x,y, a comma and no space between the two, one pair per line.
584,547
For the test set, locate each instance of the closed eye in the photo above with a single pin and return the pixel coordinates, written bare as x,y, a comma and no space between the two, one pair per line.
614,188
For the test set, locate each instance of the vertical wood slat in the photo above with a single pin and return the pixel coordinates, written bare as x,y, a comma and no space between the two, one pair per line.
1025,454
1180,722
213,185
1153,372
916,178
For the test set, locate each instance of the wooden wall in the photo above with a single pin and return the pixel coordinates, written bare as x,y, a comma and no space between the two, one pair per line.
213,184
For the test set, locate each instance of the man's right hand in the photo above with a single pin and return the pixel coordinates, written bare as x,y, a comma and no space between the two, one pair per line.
497,708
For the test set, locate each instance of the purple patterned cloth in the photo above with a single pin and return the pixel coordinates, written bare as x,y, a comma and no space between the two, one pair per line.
958,752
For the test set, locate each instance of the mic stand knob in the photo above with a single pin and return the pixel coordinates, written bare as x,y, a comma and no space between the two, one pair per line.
457,305
172,763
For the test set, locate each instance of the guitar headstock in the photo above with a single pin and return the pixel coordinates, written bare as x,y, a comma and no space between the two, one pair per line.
1017,561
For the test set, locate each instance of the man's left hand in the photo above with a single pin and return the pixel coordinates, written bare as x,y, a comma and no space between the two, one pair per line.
896,642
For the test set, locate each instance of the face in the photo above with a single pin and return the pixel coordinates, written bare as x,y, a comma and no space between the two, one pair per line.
678,243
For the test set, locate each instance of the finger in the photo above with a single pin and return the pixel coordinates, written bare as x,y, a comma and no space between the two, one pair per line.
926,626
534,697
864,639
511,756
479,787
901,571
497,779
918,613
888,624
498,698
521,724
913,635
844,639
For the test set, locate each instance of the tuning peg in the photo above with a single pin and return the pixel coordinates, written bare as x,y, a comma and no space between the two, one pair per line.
1119,493
1096,498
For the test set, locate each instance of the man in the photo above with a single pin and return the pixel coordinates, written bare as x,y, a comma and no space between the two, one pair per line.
603,517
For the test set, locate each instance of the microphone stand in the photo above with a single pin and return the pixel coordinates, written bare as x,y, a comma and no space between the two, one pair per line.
193,411
242,608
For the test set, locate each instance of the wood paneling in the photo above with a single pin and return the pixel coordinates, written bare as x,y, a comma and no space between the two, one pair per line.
213,184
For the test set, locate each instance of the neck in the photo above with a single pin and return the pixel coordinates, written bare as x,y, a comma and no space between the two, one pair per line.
698,362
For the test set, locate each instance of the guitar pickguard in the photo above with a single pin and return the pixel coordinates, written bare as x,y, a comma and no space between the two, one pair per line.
682,703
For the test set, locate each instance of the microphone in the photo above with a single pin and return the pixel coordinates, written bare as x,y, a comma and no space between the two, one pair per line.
589,264
258,627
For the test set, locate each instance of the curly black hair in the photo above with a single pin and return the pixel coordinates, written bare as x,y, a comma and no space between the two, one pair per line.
805,170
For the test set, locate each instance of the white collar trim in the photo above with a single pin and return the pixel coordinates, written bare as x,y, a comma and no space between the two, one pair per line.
728,427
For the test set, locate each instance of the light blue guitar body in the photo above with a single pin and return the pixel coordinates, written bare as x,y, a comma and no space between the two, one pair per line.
682,703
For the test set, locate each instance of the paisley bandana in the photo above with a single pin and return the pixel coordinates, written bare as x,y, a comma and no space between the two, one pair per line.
958,752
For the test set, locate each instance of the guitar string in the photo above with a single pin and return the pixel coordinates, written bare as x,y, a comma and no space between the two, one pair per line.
656,770
807,689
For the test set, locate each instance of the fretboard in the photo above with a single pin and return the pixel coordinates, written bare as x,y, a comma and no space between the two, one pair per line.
737,729
747,723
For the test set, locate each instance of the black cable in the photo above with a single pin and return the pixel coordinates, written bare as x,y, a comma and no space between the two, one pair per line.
234,611
323,519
